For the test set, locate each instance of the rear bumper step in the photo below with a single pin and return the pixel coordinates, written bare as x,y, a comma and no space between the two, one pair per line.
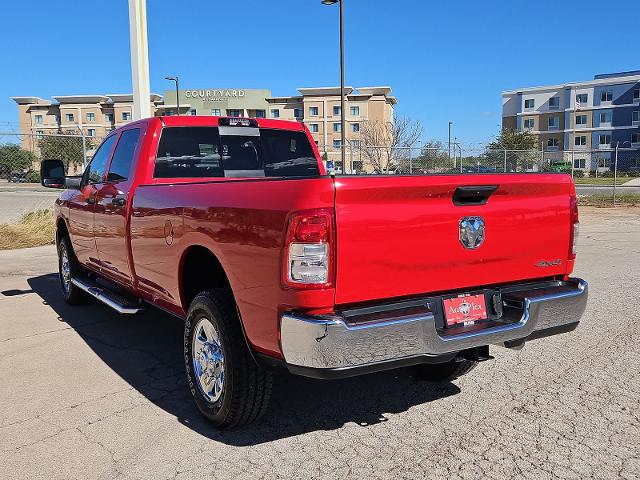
318,345
106,296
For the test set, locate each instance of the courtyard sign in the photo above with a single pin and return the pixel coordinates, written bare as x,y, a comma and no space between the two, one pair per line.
214,95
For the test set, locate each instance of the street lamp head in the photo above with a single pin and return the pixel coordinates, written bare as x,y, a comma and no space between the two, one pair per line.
330,2
171,78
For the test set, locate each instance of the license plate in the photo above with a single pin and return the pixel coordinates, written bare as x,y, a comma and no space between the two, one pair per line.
465,309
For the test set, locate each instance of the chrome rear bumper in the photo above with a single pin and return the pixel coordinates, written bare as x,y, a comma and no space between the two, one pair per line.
337,342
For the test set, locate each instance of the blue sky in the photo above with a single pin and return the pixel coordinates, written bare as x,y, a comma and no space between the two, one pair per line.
445,60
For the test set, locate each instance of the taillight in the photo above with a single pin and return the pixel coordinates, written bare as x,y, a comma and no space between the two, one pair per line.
574,226
309,249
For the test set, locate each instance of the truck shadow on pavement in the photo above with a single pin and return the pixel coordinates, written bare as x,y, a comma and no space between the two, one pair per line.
146,351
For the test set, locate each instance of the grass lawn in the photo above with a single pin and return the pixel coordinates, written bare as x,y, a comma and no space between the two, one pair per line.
600,181
32,230
629,199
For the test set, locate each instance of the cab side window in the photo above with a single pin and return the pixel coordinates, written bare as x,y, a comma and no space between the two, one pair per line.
120,168
95,170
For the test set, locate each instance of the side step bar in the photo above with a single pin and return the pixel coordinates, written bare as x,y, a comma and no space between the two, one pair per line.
106,296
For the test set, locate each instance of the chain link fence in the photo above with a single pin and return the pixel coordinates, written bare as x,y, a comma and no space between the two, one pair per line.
602,176
20,154
606,172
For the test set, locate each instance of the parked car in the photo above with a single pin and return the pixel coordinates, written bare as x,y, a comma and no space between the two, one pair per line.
22,177
233,226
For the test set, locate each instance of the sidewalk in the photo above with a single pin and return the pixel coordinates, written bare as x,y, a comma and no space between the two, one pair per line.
23,187
634,182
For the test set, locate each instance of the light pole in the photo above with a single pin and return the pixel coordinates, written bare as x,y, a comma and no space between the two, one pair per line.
342,126
450,123
175,79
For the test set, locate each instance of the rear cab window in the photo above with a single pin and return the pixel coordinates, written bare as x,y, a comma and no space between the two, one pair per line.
234,152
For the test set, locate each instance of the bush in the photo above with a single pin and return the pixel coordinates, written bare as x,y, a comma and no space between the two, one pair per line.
593,174
578,174
33,229
33,177
607,174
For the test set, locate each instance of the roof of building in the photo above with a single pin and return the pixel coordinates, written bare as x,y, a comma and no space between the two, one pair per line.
601,79
74,99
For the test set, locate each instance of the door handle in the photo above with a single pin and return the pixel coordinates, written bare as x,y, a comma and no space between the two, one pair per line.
118,201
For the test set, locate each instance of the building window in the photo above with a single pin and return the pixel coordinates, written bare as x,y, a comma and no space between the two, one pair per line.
297,112
313,111
605,140
38,119
275,113
168,113
635,117
126,116
636,95
529,103
579,163
355,111
91,117
529,123
261,114
336,110
337,127
336,144
215,112
108,117
69,117
193,112
635,139
313,127
39,134
582,98
91,132
605,118
554,103
581,119
580,141
355,127
553,144
554,123
606,96
234,113
354,144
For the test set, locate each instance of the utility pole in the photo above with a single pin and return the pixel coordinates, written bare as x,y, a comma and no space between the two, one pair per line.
450,123
139,59
342,114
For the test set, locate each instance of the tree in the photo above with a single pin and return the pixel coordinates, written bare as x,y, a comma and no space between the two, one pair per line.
433,157
510,139
512,150
65,148
14,158
385,145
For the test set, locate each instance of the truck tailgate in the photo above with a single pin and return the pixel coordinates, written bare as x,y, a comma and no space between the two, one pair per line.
399,235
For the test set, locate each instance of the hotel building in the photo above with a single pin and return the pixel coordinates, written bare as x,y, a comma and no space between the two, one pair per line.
583,120
318,108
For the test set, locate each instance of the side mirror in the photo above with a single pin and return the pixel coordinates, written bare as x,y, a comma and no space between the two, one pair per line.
52,174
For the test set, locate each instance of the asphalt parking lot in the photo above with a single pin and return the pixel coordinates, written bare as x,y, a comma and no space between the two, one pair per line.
88,394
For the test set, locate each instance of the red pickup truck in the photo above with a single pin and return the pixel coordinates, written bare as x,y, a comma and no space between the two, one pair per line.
234,226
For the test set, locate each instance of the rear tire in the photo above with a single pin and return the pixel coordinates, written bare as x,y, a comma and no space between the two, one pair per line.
443,372
226,384
68,268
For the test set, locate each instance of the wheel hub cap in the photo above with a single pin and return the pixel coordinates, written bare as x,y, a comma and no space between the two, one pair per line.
208,360
65,270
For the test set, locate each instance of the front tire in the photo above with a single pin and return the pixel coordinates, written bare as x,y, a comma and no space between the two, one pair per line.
226,384
68,268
